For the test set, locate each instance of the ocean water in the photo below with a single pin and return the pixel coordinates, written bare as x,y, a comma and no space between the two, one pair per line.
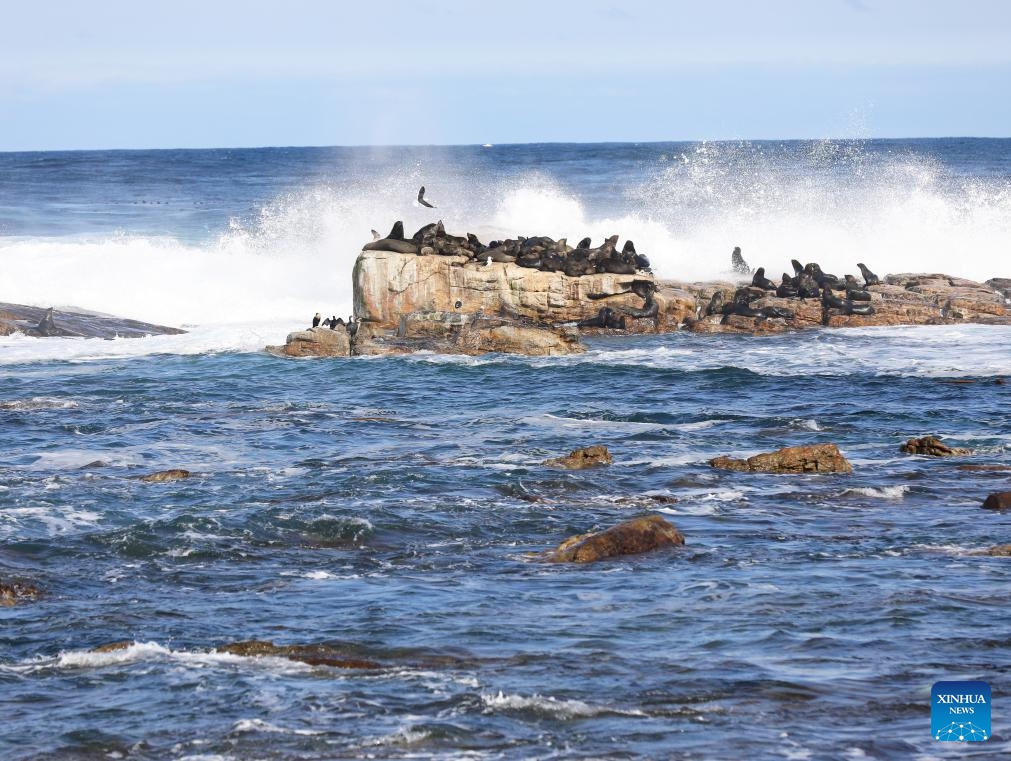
387,506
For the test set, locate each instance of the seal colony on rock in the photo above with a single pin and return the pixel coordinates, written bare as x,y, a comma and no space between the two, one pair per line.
537,252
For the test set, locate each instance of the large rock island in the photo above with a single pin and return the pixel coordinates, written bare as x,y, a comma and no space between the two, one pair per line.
536,296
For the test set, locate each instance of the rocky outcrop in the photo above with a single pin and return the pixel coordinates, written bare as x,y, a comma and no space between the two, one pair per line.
388,285
454,333
48,323
14,592
174,474
587,457
813,458
632,537
314,655
315,342
1000,500
997,551
933,447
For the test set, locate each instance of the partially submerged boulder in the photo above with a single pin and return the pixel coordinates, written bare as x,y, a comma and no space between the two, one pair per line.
1000,500
587,457
933,447
14,592
809,458
314,655
634,537
997,551
173,474
315,342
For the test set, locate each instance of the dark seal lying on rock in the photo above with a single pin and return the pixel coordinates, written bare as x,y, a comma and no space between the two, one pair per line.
811,458
632,537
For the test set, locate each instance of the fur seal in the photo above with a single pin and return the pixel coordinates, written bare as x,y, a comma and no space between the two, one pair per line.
737,262
869,277
788,288
375,235
715,305
606,318
584,243
761,281
421,198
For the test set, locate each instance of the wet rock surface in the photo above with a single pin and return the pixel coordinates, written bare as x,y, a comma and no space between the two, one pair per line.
173,474
813,458
587,457
313,654
933,447
1000,500
14,592
632,537
41,322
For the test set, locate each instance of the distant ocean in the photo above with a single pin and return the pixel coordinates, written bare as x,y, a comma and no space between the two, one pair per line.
386,506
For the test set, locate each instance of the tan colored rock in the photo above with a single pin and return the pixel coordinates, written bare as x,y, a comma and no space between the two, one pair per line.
175,474
14,592
1000,500
998,551
314,655
812,458
112,647
933,447
587,457
984,468
388,285
315,342
632,537
453,333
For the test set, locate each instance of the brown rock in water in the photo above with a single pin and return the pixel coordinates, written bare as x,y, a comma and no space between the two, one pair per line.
998,551
315,342
933,447
811,458
1000,500
13,592
387,285
314,655
984,468
175,474
112,647
588,457
632,537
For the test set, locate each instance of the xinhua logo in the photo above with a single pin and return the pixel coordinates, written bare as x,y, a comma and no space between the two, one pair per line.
960,711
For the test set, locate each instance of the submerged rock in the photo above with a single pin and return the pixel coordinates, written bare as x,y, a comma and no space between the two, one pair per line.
984,468
933,447
632,537
14,592
587,457
175,474
811,458
998,551
314,655
1000,500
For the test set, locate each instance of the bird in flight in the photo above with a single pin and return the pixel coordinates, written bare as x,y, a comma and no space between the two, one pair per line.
421,198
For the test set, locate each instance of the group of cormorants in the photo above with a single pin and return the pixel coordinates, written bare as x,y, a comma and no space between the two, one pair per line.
809,281
332,322
539,252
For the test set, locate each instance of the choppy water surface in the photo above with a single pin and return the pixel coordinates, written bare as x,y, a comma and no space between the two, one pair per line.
386,506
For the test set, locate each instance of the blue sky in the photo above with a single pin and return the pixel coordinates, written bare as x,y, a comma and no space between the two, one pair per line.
132,74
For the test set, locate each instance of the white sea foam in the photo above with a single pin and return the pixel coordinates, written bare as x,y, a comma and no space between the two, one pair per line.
259,725
151,652
884,492
550,706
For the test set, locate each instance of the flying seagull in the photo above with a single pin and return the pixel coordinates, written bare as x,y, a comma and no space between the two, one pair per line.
421,198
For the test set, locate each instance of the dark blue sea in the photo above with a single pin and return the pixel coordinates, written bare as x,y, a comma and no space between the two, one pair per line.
386,508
